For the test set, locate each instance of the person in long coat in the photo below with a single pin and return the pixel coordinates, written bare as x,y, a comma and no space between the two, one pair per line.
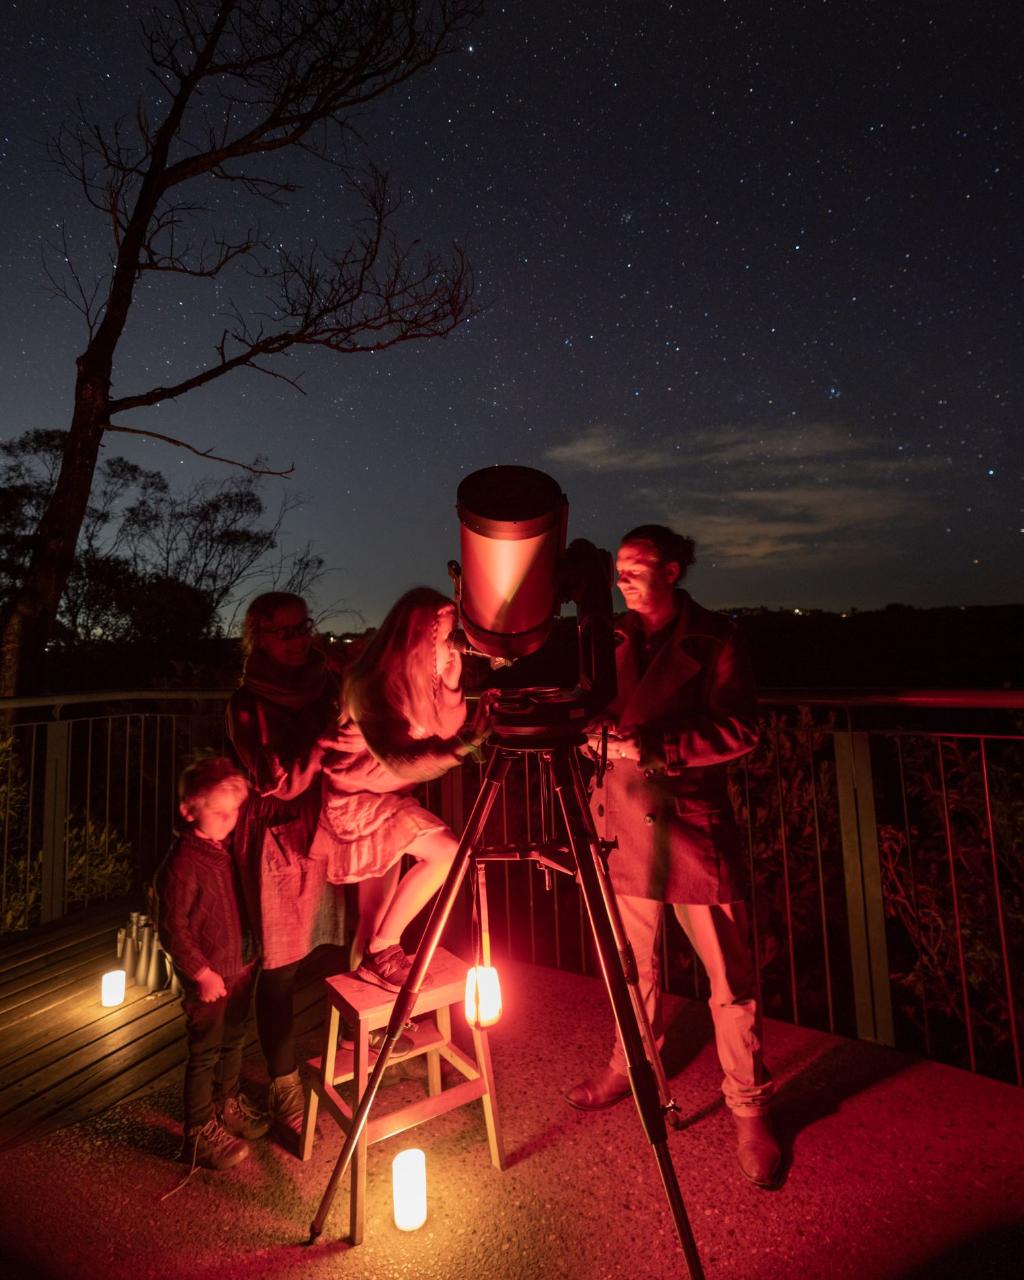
280,721
684,709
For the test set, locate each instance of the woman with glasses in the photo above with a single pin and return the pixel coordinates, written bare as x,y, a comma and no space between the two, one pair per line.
402,723
276,719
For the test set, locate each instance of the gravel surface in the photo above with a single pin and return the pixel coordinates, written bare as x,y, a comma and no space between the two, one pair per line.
897,1168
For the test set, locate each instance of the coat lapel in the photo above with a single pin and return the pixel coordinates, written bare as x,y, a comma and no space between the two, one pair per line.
646,698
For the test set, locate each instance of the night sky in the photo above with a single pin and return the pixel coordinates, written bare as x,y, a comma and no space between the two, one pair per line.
750,269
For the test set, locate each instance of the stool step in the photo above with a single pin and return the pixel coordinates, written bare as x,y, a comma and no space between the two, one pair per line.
424,1036
363,1002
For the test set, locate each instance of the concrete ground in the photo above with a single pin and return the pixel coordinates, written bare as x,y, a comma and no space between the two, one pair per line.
897,1168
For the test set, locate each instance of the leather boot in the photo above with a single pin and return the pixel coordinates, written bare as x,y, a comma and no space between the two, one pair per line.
758,1149
287,1104
211,1146
599,1091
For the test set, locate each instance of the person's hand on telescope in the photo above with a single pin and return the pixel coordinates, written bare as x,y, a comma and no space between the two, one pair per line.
481,726
620,746
211,985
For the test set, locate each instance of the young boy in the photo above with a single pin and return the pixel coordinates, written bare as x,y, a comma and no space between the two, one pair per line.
201,926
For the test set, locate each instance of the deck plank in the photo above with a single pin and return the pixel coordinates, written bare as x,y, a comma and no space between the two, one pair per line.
104,919
46,1039
64,1058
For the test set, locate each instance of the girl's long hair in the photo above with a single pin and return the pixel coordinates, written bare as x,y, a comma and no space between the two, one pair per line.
397,671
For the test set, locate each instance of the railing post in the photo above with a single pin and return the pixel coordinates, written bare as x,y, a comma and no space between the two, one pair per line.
53,870
865,910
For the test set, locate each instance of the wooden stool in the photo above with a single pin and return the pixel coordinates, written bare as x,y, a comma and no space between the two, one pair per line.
361,1008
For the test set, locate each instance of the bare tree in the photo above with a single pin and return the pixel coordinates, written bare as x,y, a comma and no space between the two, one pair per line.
238,81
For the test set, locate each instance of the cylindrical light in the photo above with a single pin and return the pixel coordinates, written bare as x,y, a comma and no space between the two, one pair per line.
409,1187
483,996
112,988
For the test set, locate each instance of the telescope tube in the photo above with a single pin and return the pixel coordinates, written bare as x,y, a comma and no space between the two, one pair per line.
513,522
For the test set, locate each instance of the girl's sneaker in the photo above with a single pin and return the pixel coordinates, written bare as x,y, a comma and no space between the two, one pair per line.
388,968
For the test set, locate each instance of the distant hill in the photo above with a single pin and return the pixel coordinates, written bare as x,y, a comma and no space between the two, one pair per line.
898,647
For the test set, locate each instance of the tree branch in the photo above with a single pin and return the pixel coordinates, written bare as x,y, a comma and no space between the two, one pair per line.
202,453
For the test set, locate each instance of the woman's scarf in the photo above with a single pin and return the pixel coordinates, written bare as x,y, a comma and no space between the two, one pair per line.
294,687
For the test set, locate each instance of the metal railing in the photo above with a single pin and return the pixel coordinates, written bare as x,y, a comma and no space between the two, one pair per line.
885,838
885,841
88,794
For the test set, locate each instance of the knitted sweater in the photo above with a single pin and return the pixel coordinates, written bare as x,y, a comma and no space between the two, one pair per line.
199,912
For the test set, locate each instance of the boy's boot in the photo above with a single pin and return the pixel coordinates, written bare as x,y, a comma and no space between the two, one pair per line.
242,1119
287,1103
211,1146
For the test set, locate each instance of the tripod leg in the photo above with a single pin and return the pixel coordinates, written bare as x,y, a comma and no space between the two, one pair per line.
406,998
624,949
565,771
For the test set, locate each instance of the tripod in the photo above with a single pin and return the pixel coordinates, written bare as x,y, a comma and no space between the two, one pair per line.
559,753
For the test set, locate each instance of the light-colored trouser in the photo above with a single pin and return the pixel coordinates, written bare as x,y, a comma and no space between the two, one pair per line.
718,933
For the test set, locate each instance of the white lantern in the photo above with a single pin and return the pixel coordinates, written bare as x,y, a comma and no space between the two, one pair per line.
483,996
409,1187
112,988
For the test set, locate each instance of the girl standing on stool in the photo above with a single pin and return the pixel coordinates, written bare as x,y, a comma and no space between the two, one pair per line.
403,712
275,719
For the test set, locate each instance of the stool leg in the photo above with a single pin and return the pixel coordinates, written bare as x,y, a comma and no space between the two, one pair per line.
308,1134
444,1026
357,1191
491,1118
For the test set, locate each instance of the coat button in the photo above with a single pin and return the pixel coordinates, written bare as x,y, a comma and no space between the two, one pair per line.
648,773
600,810
609,767
649,819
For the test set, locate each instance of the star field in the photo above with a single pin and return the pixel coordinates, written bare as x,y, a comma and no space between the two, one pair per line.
750,270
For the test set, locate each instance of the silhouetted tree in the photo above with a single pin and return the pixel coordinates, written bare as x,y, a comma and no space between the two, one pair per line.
235,82
152,566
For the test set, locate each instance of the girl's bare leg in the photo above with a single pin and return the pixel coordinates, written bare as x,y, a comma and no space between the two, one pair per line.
434,852
374,897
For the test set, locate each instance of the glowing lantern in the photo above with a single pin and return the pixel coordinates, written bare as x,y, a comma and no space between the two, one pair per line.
483,996
112,988
409,1187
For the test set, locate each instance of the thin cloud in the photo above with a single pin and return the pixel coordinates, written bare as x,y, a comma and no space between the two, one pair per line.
600,448
809,495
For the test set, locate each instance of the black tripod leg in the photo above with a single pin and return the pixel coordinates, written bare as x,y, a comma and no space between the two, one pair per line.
406,998
564,770
624,948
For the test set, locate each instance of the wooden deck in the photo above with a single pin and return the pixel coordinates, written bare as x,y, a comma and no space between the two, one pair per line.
63,1057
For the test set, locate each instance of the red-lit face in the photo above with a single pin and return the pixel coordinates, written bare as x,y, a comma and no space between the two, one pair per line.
214,814
447,660
645,580
286,635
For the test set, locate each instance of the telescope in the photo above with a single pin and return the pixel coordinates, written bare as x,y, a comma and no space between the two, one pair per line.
515,575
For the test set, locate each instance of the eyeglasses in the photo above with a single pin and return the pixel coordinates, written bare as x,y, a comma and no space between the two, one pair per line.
304,628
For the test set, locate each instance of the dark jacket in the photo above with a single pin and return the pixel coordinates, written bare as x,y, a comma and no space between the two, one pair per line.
199,914
277,744
693,710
